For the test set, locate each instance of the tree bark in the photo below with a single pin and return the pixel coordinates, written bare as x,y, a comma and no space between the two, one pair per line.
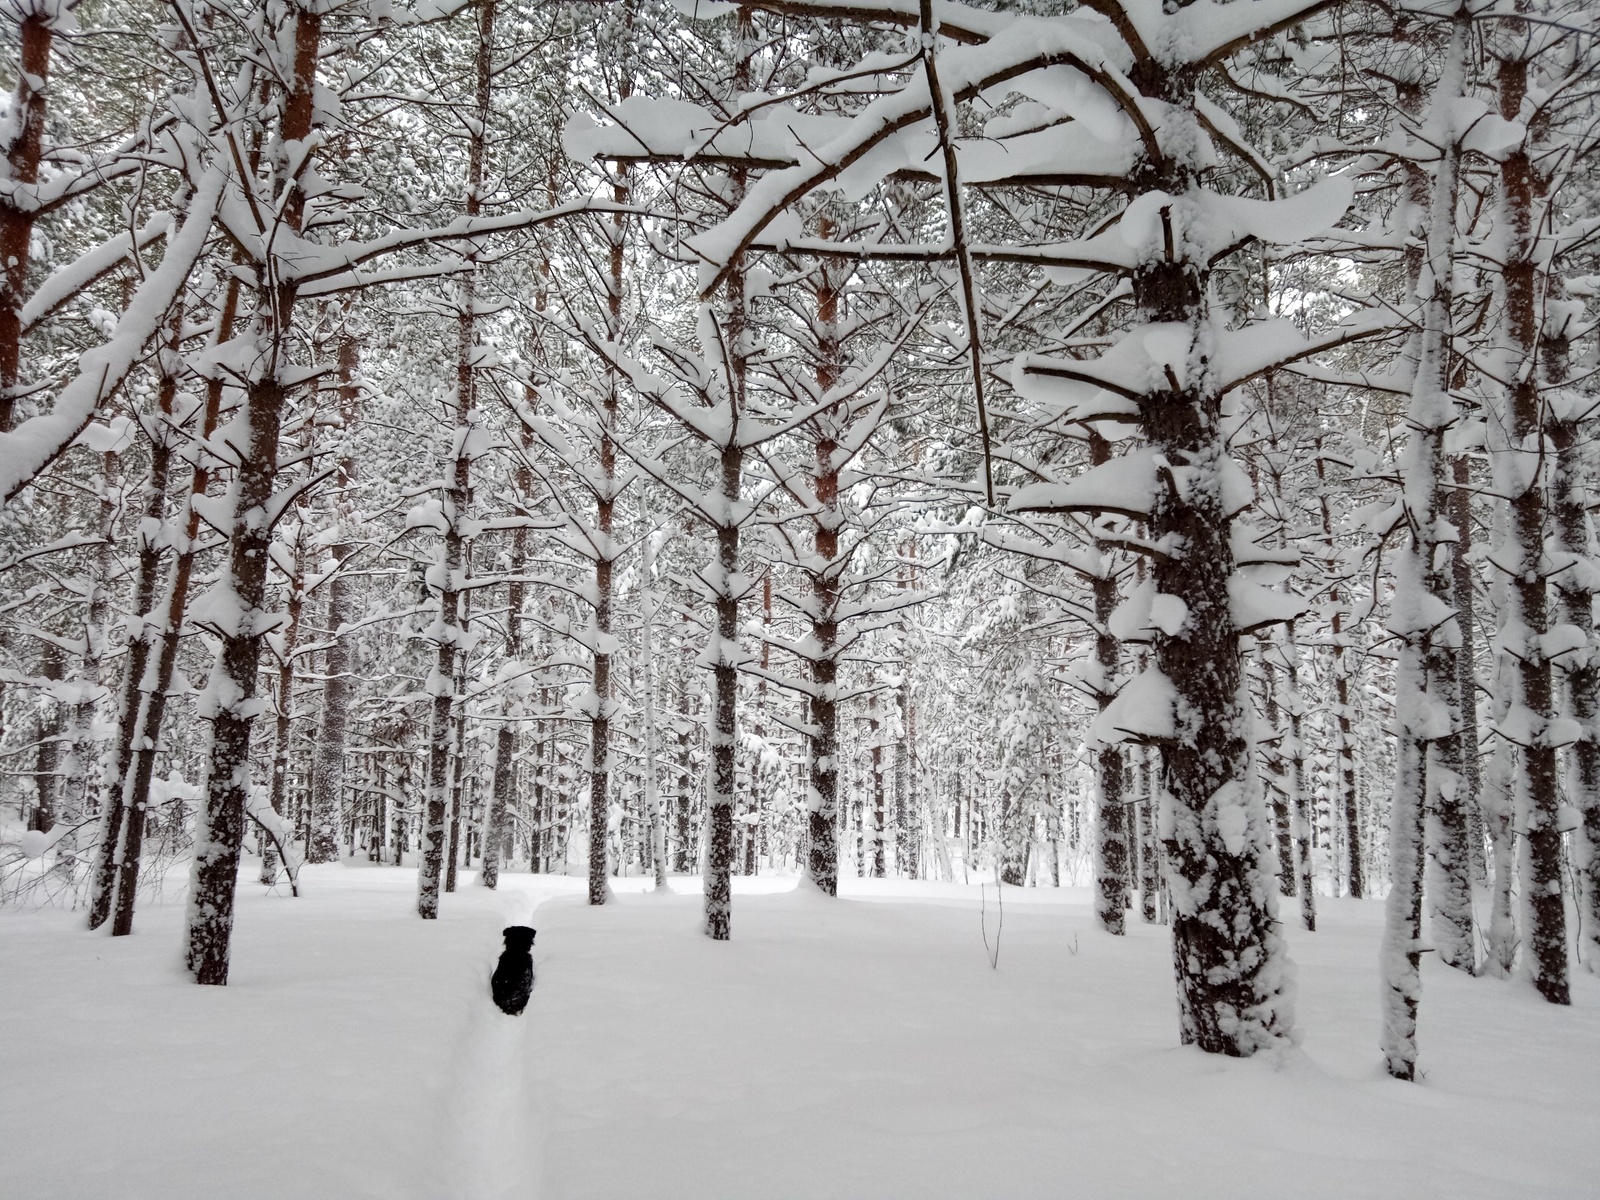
1110,818
35,37
1536,782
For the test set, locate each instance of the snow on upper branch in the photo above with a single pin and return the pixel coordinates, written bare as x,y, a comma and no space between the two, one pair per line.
1127,486
777,136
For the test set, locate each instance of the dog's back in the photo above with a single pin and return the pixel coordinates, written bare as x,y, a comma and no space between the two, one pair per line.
512,981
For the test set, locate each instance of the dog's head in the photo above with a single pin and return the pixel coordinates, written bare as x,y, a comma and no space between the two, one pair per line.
519,937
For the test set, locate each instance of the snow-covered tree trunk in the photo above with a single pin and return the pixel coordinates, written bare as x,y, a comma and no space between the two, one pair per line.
328,762
602,647
1520,474
1420,614
822,734
142,630
84,738
1496,797
654,803
731,326
1228,949
1465,599
1347,796
236,609
235,606
1151,907
1277,773
447,634
128,783
1110,810
288,642
875,734
496,830
1294,751
726,585
456,852
37,22
1571,489
49,723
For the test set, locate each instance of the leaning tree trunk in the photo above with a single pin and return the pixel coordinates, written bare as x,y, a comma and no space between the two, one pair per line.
237,610
143,627
128,789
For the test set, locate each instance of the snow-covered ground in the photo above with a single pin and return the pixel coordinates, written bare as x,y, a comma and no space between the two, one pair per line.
857,1049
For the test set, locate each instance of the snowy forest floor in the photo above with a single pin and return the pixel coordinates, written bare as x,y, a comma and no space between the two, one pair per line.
857,1048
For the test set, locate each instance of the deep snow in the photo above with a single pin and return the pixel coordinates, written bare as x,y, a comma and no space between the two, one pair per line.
852,1048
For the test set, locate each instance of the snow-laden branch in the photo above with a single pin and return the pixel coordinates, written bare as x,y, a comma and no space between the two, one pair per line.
38,441
68,281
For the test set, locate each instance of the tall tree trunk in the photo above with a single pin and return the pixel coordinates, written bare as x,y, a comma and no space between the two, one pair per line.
143,627
229,703
505,745
1422,589
1149,857
655,805
1347,795
822,737
1111,818
1467,661
1277,785
237,610
879,817
1536,782
725,584
448,633
282,750
128,788
47,750
83,737
328,763
1299,795
1228,951
721,782
457,854
1571,490
35,35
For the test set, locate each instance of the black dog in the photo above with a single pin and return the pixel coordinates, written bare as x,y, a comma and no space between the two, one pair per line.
512,981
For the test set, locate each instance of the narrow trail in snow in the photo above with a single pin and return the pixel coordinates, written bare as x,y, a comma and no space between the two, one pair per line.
491,1132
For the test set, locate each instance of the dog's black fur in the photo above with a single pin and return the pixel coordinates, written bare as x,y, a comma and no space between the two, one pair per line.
512,981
